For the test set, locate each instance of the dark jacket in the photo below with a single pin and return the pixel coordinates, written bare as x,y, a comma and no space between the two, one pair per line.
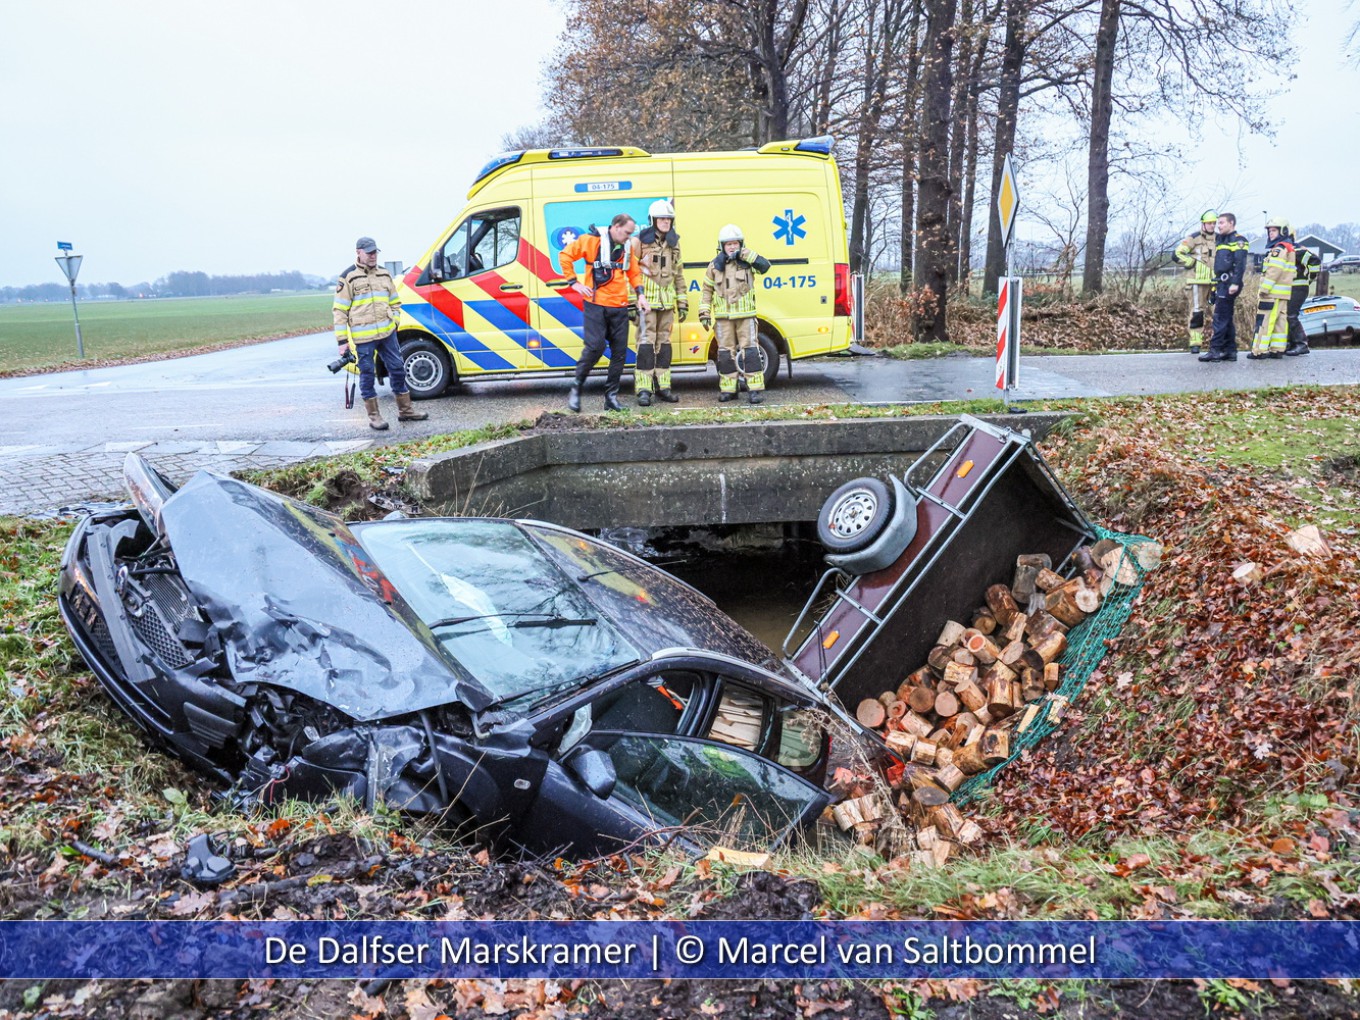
1230,258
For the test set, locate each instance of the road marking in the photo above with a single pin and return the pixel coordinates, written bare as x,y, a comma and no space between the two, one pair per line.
196,425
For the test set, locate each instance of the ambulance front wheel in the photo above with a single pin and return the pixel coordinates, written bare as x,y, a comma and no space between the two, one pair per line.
429,372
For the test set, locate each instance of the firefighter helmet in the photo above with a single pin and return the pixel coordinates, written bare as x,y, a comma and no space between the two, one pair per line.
1208,216
1279,223
731,232
661,209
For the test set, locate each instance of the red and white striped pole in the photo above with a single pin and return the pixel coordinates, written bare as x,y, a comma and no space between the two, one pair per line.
1008,336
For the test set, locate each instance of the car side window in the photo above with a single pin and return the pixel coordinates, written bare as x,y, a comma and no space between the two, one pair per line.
485,240
717,792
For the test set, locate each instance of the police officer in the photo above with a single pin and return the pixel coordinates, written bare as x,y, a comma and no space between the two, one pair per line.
611,258
1230,265
1196,254
728,301
664,285
365,310
1272,304
1306,267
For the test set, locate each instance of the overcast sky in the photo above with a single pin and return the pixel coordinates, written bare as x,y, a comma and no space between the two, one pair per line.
253,136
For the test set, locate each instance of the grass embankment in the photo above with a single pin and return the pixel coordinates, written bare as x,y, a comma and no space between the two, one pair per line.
42,336
1207,770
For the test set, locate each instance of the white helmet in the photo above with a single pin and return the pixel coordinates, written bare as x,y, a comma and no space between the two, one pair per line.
731,232
661,209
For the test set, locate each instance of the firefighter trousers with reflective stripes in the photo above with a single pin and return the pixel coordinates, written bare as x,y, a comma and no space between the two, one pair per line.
1272,326
390,352
1297,296
604,326
1201,299
738,348
1224,339
654,350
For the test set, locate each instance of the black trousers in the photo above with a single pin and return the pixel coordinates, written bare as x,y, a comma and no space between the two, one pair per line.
604,327
1297,296
1225,329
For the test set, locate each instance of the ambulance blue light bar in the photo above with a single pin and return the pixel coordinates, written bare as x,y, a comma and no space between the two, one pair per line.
582,153
496,162
822,144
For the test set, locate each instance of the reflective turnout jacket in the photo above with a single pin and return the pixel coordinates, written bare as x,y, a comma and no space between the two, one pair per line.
366,306
663,274
1196,253
729,290
1277,272
1306,266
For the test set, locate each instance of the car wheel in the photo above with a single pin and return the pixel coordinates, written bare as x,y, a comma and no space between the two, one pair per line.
855,515
1348,334
428,369
769,358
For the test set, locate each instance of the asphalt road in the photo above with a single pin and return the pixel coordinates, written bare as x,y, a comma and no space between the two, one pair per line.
63,435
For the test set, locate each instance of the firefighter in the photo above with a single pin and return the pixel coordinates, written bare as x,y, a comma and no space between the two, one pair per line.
1277,280
1230,266
728,302
664,285
610,254
365,312
1196,254
1306,267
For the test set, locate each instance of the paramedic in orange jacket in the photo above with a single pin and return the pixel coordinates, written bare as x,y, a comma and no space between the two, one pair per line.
613,276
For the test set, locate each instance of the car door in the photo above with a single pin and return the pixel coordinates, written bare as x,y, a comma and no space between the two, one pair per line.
477,291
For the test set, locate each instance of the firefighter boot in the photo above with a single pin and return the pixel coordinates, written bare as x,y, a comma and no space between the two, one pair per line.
671,398
755,396
1297,347
644,398
405,412
375,420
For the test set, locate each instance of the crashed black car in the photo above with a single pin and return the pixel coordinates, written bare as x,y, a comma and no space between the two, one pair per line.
528,680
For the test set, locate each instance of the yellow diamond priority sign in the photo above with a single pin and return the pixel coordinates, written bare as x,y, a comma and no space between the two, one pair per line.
1008,201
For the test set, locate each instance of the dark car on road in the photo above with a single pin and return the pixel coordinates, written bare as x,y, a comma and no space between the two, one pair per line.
523,678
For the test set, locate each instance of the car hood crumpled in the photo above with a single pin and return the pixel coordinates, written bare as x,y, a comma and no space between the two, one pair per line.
297,604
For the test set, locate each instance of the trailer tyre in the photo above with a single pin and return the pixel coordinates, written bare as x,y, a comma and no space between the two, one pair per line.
428,369
855,515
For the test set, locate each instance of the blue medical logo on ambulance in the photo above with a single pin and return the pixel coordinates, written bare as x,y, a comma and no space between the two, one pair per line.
790,227
563,236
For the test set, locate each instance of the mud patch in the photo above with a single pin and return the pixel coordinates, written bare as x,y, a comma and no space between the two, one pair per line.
762,896
1344,469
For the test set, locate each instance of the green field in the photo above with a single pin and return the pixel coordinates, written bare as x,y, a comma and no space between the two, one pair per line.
41,336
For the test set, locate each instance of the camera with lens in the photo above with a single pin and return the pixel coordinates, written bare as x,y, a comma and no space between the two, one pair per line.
346,359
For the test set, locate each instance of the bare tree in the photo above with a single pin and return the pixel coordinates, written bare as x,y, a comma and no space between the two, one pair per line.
935,246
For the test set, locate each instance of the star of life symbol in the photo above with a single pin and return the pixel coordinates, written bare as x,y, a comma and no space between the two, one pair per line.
790,227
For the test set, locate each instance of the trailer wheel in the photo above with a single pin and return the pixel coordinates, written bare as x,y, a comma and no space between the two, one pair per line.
428,369
855,515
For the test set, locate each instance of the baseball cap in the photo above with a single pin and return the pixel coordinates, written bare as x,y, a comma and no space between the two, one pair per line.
365,244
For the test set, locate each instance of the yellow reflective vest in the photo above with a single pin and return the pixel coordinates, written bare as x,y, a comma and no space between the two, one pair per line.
366,306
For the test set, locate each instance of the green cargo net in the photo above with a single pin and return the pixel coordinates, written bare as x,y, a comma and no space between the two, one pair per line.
1085,648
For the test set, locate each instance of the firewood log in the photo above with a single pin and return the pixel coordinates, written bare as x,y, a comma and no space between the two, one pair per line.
951,777
1017,698
1057,707
1041,624
901,742
1031,660
930,796
1081,556
999,698
984,649
1031,713
971,695
1027,568
969,832
871,713
946,818
956,674
983,621
1048,580
968,759
1051,647
1147,555
923,753
897,710
996,747
921,699
1002,603
964,657
1052,673
941,853
1011,654
939,657
1015,630
997,669
1063,605
913,723
943,756
1033,690
1119,565
951,635
1101,548
927,838
946,704
983,716
887,698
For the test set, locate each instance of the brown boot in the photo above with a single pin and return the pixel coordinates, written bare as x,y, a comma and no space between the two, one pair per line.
405,412
375,420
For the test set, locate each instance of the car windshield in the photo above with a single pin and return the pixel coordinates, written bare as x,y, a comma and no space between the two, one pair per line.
495,603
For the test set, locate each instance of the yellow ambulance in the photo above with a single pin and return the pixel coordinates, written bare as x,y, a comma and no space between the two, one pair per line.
488,299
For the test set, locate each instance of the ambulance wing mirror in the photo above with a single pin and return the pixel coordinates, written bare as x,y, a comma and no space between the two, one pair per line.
438,269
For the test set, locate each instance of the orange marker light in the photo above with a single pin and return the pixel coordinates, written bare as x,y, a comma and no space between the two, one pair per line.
831,639
533,344
967,466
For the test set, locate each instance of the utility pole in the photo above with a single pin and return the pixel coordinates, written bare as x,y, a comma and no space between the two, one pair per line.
70,265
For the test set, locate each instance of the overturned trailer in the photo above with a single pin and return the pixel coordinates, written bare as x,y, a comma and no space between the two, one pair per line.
527,680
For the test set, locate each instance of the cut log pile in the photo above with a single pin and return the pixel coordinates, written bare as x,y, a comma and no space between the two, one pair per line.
985,681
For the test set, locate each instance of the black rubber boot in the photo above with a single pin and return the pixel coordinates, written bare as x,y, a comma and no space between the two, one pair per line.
669,397
574,399
725,397
1295,349
644,398
756,397
611,400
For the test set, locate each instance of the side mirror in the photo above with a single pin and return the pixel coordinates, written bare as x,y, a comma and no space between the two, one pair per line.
593,768
438,271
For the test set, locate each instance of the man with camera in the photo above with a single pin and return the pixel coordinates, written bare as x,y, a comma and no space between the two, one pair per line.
366,309
611,258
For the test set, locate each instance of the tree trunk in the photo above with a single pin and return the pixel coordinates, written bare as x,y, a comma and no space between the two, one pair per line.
935,248
958,132
909,168
1098,163
969,186
1007,109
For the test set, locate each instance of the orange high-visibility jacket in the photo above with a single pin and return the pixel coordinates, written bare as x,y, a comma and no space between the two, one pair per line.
618,292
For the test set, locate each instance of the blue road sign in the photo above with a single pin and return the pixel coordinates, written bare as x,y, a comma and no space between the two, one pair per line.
64,246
